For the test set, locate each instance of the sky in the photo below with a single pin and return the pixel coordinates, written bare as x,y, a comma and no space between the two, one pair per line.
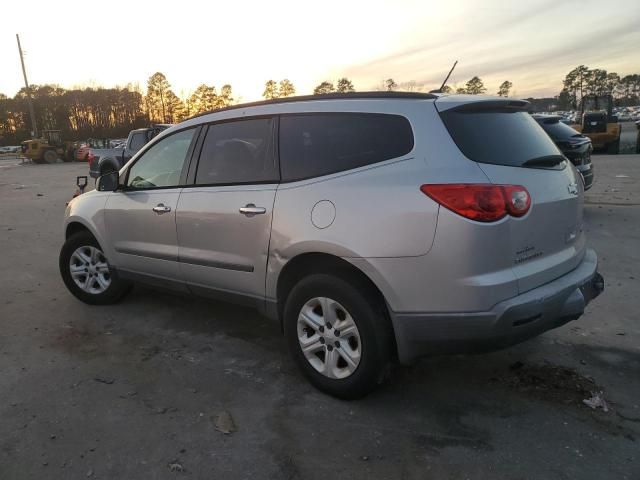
244,43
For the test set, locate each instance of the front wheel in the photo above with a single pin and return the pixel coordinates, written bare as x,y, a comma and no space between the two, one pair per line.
86,271
338,334
50,156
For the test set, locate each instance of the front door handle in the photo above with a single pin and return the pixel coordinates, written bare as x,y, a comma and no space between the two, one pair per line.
161,208
250,210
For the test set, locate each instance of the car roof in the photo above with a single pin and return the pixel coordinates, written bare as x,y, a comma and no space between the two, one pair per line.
325,96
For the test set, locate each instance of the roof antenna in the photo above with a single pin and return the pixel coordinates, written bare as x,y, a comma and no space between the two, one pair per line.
439,90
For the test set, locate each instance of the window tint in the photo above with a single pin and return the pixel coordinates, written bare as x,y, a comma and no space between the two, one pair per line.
500,137
160,166
557,130
312,145
137,141
238,152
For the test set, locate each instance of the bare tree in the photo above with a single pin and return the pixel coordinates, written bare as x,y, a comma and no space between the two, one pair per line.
344,85
505,88
270,90
324,87
286,88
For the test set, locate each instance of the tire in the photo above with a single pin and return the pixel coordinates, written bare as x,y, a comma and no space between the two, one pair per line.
104,287
614,147
50,156
348,301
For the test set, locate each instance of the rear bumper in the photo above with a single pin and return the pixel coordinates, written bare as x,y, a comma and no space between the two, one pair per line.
587,175
507,323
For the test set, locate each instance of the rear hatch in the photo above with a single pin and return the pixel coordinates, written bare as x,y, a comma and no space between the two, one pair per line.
511,148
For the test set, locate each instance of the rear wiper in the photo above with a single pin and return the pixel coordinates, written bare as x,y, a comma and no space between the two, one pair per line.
545,161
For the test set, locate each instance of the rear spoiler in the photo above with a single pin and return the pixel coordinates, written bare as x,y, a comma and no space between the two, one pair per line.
474,103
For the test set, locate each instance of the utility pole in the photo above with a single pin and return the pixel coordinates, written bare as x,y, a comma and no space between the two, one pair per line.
34,127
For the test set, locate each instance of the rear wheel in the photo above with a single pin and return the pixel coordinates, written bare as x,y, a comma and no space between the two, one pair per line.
338,334
86,271
50,156
614,147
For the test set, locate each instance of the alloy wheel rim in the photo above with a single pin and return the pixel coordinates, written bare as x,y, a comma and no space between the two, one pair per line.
329,338
89,269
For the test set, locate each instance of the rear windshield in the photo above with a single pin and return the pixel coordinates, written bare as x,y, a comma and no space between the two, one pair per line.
499,137
558,130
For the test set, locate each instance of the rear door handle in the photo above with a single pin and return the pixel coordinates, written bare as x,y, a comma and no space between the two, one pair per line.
250,210
161,208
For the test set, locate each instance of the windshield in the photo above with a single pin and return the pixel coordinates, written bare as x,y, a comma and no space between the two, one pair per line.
498,136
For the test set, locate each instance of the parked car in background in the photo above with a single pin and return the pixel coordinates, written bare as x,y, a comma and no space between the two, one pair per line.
573,145
10,149
82,153
321,212
108,160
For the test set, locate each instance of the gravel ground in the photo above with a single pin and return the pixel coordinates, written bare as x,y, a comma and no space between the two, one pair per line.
147,388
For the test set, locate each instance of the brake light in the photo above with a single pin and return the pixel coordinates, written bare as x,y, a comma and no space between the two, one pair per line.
481,202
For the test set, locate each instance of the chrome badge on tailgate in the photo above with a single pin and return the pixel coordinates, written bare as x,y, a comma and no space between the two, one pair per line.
573,188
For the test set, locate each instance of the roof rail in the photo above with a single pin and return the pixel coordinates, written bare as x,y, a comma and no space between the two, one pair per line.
326,96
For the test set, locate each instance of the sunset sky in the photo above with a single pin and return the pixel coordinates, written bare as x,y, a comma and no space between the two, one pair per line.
244,43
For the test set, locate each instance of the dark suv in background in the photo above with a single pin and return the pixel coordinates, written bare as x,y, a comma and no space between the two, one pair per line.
575,146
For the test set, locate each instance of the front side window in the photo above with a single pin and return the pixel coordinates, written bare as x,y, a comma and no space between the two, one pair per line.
318,144
238,152
161,164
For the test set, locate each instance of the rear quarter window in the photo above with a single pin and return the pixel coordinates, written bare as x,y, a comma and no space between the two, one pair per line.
317,144
498,136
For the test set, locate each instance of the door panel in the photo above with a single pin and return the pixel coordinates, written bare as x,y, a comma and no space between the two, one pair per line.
219,247
140,218
145,241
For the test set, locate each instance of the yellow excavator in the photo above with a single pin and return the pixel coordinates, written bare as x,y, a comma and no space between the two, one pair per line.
48,148
599,124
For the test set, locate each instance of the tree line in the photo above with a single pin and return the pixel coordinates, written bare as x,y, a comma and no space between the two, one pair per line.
583,81
113,112
103,112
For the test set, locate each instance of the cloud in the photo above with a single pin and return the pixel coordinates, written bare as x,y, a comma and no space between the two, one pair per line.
513,47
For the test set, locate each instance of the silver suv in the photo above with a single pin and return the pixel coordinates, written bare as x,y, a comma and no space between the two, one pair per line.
373,226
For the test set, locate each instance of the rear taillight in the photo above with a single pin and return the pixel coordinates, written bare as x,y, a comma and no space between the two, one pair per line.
481,202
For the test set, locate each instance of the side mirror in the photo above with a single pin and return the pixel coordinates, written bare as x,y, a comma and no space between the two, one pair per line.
108,182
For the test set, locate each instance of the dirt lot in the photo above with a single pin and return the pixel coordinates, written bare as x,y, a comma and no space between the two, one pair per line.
135,391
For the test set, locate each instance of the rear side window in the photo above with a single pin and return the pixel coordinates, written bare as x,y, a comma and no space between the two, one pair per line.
238,152
312,145
499,137
137,141
558,130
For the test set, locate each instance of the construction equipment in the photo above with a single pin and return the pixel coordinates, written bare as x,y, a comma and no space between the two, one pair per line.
48,148
599,123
